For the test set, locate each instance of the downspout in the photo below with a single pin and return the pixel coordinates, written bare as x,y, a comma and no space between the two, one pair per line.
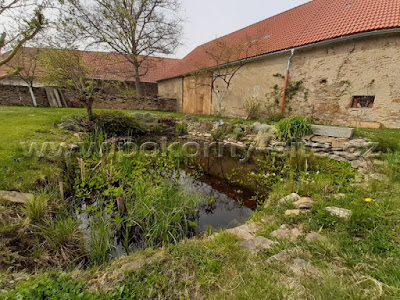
286,81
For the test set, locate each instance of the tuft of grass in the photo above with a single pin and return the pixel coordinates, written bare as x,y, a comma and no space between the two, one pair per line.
61,232
100,244
36,208
293,128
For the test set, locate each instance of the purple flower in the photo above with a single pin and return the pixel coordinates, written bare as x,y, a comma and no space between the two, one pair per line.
16,160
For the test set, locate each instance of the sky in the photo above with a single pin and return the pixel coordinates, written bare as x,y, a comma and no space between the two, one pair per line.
209,19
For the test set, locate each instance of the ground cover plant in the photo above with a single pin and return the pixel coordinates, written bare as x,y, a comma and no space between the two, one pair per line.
139,198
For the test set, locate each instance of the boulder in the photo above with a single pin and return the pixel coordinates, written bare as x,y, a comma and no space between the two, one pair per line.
286,232
339,212
304,203
257,244
333,131
16,197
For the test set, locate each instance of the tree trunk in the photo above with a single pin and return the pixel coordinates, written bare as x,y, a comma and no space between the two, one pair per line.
89,106
137,78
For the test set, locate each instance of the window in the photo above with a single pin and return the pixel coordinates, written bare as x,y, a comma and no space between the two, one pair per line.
363,102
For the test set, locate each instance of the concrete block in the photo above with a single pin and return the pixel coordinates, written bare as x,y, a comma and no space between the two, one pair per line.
333,131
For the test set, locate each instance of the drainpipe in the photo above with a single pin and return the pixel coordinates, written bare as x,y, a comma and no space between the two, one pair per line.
286,81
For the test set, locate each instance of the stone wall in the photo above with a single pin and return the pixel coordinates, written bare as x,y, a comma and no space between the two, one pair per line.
114,101
20,96
11,95
172,88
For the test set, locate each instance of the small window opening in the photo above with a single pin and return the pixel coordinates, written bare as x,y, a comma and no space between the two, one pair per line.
363,102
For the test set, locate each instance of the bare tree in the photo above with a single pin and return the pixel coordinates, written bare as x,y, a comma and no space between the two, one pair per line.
24,26
137,28
226,61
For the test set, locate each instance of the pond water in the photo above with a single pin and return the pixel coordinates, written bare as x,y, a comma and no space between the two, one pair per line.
223,206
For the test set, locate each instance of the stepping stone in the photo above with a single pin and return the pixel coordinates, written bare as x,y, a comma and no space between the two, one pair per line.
257,244
285,232
333,131
16,197
339,212
304,203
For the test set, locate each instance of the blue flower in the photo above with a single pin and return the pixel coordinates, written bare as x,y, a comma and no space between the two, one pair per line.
16,160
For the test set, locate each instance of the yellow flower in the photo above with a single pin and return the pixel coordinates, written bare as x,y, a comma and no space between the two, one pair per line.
368,200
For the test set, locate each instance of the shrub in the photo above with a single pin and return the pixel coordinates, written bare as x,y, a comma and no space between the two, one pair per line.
238,133
252,106
218,134
290,129
119,123
146,117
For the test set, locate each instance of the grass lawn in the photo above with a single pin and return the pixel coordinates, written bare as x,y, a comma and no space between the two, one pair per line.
358,258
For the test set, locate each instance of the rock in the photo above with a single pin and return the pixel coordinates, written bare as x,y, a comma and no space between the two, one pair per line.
322,139
315,237
257,244
339,132
281,257
301,267
379,177
339,144
356,164
303,203
339,196
290,198
339,212
285,232
293,212
245,232
16,197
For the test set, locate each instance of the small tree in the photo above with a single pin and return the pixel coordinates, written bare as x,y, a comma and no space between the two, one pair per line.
136,28
228,60
26,28
65,69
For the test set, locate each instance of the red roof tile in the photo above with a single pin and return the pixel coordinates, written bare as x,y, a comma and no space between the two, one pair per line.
309,23
109,66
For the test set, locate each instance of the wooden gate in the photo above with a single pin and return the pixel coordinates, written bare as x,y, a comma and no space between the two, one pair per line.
197,95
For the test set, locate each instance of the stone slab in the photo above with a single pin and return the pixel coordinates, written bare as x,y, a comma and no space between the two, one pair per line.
333,131
15,197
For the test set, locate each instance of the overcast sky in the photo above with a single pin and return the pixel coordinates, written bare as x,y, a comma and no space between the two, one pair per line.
208,19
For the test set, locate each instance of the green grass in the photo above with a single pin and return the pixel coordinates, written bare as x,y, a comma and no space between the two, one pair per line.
359,260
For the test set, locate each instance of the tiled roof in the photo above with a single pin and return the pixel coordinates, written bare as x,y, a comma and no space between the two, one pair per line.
108,66
309,23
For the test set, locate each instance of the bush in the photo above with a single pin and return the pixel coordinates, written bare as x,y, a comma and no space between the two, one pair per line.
252,106
238,133
119,123
218,134
290,129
